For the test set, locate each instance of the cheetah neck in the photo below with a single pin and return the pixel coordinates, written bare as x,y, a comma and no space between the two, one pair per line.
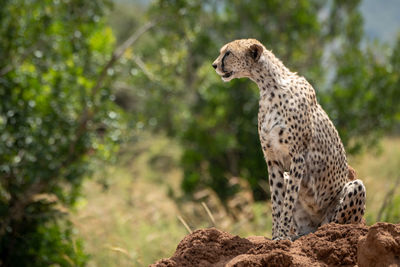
271,75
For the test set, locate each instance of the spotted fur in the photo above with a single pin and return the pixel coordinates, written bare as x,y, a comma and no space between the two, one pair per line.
307,165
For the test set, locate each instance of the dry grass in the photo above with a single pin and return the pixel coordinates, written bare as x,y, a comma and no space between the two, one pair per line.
379,171
136,221
133,222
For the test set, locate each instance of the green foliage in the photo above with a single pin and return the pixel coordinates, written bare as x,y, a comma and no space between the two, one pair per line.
56,119
363,98
53,243
177,90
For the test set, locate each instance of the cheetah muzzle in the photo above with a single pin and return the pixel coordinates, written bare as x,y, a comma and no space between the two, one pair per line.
307,165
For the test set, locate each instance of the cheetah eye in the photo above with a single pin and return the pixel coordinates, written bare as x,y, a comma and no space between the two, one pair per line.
227,53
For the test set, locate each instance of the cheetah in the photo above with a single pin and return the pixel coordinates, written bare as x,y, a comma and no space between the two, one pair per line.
307,165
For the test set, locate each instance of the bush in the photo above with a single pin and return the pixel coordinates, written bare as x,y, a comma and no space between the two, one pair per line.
56,118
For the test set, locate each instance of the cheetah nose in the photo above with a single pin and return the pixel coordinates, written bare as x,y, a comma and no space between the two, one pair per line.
214,65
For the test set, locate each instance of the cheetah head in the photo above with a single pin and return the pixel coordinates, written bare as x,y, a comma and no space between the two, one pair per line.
238,58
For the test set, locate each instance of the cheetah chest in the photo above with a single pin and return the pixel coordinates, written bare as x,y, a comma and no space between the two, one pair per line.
273,135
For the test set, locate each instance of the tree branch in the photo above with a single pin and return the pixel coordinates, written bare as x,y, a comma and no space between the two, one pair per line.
142,66
118,52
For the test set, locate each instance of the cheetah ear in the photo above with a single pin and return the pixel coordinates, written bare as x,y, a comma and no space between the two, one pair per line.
255,51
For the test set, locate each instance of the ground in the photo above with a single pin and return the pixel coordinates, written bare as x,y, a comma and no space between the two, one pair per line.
332,245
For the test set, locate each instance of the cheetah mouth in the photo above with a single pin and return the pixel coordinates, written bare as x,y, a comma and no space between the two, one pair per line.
228,74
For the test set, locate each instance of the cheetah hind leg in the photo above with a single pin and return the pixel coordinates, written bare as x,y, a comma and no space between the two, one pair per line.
352,203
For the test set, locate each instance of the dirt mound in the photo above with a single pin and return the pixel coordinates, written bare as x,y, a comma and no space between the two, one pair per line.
332,245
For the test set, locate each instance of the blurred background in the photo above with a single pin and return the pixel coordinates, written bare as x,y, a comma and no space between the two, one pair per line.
117,138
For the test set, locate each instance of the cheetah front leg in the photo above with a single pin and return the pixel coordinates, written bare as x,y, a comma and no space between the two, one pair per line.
277,188
297,168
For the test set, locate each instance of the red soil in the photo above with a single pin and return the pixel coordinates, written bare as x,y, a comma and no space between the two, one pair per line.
331,245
